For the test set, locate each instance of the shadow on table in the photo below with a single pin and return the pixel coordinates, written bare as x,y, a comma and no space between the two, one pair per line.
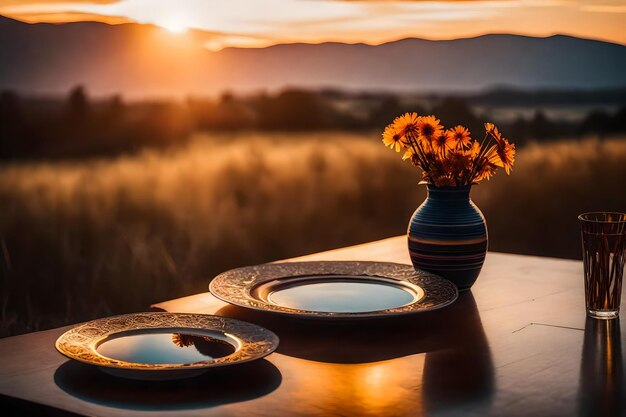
371,340
458,367
602,389
459,370
215,387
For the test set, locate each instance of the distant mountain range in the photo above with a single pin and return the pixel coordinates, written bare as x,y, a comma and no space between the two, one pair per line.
135,59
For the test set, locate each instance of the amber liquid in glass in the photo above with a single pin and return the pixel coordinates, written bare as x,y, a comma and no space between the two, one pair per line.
604,252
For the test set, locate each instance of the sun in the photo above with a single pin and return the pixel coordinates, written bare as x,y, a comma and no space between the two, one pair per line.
174,26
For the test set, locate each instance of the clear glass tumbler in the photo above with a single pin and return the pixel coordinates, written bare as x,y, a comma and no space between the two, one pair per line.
604,252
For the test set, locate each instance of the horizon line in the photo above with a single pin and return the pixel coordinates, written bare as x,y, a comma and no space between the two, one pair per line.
364,43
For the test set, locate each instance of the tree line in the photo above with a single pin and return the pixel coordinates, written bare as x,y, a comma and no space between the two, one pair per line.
78,126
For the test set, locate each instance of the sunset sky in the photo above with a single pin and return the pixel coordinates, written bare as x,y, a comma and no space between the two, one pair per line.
256,23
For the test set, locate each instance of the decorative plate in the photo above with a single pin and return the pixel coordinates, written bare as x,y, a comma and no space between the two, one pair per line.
165,345
334,290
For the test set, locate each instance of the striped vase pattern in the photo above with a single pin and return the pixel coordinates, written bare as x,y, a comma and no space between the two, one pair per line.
448,236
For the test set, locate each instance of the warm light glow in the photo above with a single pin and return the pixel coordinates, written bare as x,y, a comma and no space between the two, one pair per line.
385,388
260,23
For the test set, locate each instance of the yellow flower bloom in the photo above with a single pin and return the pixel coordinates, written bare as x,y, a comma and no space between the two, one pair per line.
460,134
392,138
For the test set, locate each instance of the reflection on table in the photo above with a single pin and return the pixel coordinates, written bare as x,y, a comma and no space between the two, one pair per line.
350,362
602,389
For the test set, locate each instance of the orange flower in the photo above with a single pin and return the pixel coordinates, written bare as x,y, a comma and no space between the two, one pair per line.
474,150
448,158
443,143
485,172
502,154
415,156
426,146
506,155
406,125
459,161
392,138
428,128
460,134
409,153
493,131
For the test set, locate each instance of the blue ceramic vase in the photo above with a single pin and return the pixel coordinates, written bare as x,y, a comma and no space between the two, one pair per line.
448,236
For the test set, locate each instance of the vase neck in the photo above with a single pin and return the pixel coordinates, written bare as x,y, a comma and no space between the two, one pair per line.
449,193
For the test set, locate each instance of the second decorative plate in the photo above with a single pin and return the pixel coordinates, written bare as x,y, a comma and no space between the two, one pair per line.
334,290
161,346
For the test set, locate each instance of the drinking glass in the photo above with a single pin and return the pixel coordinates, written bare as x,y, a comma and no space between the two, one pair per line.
604,251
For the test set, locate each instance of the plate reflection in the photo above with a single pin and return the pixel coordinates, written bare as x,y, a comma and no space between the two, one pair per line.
164,348
341,297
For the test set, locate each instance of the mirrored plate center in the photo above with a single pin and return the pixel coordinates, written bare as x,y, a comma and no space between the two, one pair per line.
341,296
164,348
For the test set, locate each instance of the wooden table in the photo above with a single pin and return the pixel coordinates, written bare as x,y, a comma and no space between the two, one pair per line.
517,344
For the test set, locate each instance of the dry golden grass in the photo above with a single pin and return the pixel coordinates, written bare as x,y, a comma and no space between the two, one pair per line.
100,237
535,210
86,239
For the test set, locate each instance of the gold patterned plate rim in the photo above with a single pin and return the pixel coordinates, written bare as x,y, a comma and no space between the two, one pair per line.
81,342
237,286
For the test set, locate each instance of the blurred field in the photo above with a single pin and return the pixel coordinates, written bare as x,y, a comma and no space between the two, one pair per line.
103,236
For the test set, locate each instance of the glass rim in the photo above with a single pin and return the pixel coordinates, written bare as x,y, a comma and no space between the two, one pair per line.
582,217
